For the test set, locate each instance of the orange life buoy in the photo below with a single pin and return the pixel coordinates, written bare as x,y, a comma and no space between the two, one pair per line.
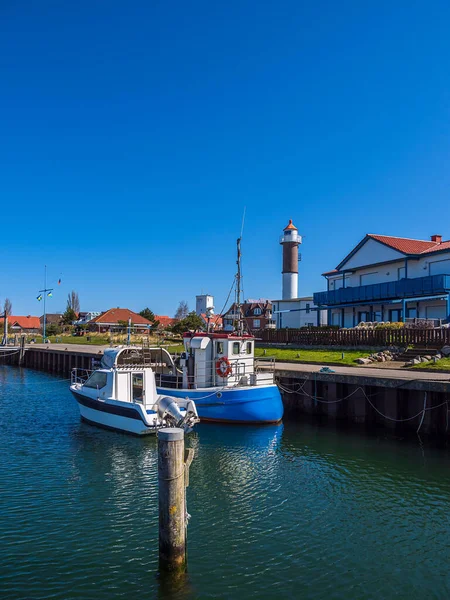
223,367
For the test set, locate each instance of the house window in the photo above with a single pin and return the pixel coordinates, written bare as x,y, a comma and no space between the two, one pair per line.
235,347
376,316
395,315
307,308
401,273
256,323
363,317
257,311
412,313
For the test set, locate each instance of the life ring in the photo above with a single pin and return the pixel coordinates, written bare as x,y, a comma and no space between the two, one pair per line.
223,367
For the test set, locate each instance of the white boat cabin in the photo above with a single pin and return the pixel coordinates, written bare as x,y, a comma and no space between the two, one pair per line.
220,359
122,376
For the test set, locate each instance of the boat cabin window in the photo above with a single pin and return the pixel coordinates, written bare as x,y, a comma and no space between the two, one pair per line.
219,347
249,347
138,387
236,347
97,380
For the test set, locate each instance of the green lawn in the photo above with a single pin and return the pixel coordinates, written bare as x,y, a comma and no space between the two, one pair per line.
102,340
314,356
441,365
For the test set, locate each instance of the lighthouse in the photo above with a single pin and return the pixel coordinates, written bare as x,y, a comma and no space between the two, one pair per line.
290,240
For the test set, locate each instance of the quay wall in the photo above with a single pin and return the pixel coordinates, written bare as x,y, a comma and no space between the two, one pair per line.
55,360
396,406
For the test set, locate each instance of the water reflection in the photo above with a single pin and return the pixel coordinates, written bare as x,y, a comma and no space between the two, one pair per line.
289,511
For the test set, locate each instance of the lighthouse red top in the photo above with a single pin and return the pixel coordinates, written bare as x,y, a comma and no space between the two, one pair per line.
290,226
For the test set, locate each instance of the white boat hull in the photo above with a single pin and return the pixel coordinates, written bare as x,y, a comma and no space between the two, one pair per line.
106,415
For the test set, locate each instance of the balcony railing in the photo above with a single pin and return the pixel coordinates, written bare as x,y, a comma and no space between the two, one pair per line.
376,292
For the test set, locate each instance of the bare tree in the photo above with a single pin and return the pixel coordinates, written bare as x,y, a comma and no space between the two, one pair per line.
182,310
7,307
73,301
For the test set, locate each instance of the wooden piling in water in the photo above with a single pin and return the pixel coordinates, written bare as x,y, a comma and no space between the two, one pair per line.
172,501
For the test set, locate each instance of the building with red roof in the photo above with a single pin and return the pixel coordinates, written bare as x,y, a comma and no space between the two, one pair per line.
116,318
257,314
389,278
26,324
165,321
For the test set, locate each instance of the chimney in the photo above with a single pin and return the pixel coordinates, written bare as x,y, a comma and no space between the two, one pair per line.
436,238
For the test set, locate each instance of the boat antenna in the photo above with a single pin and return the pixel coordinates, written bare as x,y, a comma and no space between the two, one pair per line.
243,219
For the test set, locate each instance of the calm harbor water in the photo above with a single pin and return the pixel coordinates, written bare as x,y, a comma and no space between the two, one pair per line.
295,511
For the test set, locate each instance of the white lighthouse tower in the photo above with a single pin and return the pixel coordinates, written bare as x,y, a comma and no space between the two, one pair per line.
290,240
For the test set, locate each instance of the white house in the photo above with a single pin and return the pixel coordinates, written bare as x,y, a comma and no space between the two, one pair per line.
387,278
297,312
85,317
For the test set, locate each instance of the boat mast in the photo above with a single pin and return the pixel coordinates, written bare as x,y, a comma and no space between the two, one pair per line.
238,289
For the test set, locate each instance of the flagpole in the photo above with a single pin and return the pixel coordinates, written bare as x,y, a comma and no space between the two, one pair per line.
46,291
45,288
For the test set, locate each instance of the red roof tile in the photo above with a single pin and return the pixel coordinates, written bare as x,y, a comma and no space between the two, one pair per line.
165,321
25,322
332,272
405,245
441,246
216,320
113,315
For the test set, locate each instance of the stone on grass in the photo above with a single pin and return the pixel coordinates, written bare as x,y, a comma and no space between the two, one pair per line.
445,351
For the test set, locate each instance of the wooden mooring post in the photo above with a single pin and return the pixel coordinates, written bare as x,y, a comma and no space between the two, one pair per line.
173,479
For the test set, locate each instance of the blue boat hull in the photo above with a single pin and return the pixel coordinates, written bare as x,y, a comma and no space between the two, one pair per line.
260,404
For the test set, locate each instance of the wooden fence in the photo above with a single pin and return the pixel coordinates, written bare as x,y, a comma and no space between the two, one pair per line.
433,338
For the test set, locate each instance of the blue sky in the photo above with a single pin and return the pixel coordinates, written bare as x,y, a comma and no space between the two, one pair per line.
134,133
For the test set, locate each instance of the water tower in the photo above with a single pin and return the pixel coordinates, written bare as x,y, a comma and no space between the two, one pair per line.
290,240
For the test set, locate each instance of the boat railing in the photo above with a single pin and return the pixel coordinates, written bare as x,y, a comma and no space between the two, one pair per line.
78,375
265,370
244,371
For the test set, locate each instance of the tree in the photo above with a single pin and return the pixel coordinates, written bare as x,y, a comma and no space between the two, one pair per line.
53,329
69,316
7,307
182,310
191,321
150,316
73,301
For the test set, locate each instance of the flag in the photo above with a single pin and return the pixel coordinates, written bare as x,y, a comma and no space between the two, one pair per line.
49,295
39,297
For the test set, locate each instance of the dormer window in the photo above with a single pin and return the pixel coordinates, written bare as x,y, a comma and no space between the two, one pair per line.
257,311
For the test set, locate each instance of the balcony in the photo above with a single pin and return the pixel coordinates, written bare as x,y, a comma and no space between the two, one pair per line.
389,290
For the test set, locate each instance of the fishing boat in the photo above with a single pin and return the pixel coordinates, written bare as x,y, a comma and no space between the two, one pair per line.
218,370
121,395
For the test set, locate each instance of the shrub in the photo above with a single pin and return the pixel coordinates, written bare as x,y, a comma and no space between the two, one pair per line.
395,325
